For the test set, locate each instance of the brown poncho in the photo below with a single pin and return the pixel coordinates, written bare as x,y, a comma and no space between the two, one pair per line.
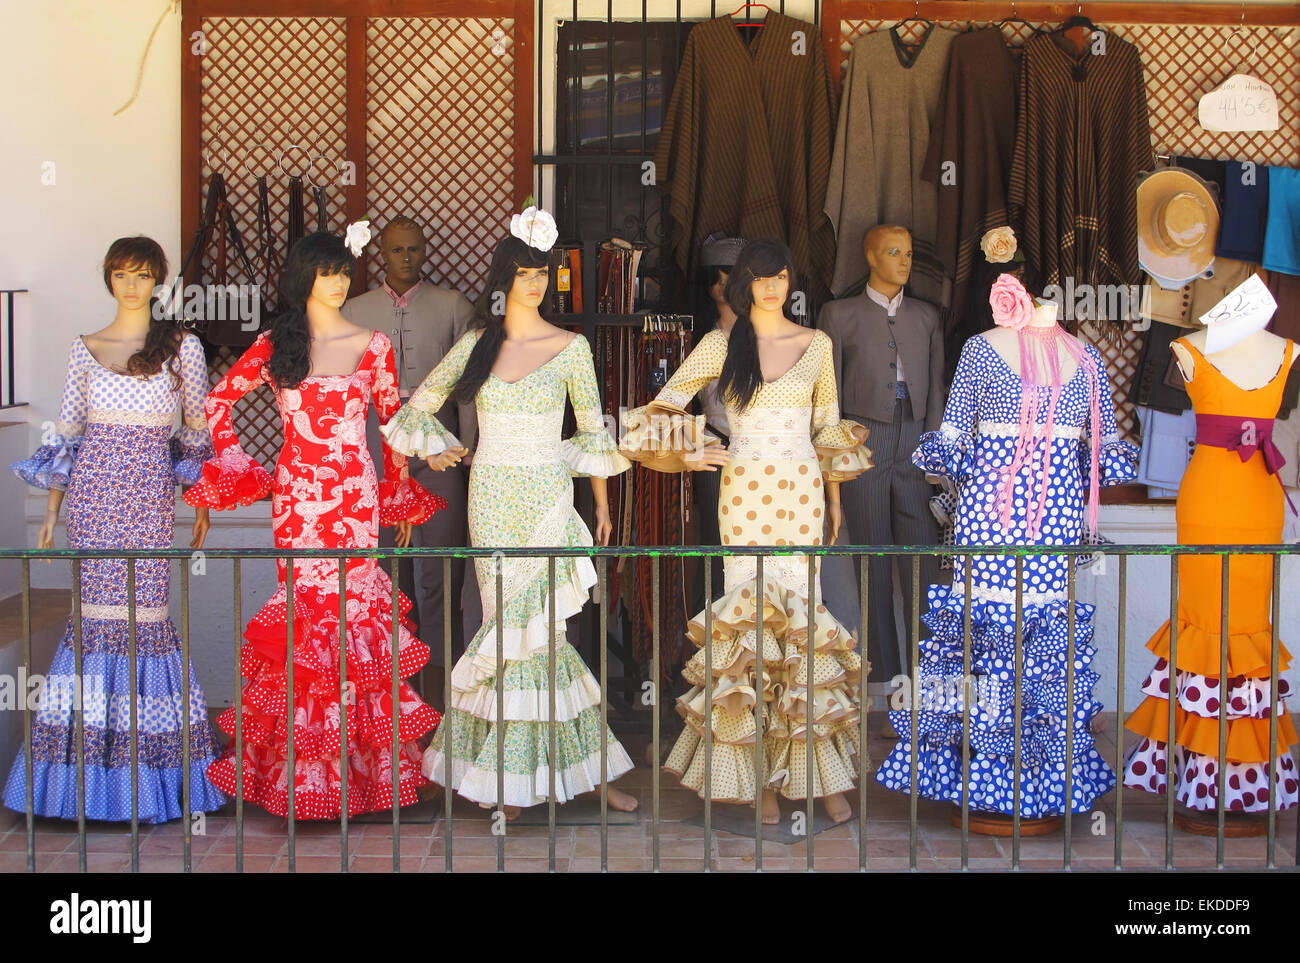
746,141
1081,139
974,129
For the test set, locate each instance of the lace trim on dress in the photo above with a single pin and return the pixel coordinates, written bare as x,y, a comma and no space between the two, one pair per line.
116,416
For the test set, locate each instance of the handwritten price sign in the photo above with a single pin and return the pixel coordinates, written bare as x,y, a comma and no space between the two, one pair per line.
1241,103
1245,310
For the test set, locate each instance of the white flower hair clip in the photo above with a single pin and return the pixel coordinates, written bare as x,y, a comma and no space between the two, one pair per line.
357,236
535,227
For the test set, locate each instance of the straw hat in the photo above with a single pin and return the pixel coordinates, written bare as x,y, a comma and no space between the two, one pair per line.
1177,225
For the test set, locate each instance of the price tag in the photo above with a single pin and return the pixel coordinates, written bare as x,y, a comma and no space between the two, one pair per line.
1245,310
1240,103
562,279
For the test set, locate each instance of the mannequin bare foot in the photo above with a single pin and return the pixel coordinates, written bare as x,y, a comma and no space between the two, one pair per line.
771,810
624,802
512,812
837,807
429,791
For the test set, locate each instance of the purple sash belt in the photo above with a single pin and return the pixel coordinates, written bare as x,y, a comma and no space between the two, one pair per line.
1245,436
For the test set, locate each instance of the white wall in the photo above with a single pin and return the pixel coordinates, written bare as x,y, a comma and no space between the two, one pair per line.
66,66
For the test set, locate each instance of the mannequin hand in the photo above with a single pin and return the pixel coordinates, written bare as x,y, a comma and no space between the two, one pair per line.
834,519
46,537
708,458
604,527
403,539
444,460
201,526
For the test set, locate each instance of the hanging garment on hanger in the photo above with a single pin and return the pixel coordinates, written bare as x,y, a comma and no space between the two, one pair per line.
1082,139
224,327
969,157
268,253
297,217
746,142
322,214
890,101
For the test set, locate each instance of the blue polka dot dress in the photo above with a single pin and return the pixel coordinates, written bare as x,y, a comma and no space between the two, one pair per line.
971,450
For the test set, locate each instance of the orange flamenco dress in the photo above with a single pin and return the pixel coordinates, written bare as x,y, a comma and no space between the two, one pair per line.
1223,500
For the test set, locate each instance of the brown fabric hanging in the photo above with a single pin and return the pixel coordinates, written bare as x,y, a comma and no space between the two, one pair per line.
224,327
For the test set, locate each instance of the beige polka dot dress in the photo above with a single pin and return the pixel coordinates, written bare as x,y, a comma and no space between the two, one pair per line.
785,446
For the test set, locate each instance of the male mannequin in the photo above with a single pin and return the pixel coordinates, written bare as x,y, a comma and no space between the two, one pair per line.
888,351
423,322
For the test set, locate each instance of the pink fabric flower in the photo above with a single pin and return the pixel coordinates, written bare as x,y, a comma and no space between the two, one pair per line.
1012,306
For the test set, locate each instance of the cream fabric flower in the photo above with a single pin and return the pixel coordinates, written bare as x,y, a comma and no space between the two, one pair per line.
357,237
536,228
999,245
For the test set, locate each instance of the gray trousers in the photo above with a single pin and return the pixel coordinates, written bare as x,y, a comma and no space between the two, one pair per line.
890,505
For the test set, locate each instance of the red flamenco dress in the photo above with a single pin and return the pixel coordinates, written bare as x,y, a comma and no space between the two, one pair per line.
324,495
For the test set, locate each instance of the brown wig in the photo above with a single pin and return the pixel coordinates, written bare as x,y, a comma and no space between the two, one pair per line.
162,342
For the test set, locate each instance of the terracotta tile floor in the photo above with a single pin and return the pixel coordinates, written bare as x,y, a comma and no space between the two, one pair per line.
423,846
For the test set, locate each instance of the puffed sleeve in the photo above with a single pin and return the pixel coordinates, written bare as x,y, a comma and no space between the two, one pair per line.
401,498
51,464
191,445
840,443
660,434
231,477
946,455
415,429
592,451
1116,460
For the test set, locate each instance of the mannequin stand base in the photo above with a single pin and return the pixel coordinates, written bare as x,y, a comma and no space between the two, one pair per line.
1235,825
999,824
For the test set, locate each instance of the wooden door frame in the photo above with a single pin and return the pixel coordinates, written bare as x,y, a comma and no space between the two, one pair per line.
355,12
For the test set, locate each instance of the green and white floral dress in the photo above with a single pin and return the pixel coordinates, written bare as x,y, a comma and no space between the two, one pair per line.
521,494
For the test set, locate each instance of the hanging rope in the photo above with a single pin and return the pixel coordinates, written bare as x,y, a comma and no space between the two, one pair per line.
173,6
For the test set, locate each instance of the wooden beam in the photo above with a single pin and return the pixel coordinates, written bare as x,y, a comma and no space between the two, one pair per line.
352,8
985,11
191,128
356,195
525,52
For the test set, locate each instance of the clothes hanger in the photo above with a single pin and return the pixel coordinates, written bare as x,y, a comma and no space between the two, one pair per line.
748,21
1015,18
916,16
1077,20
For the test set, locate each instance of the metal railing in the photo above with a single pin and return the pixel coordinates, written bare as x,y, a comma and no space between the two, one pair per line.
600,557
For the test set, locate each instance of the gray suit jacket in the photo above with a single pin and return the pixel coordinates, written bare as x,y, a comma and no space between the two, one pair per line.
863,336
422,334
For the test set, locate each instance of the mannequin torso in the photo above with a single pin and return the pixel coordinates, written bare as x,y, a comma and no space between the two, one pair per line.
1251,363
1006,342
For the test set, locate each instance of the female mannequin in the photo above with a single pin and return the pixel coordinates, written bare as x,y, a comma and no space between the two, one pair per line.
519,369
1224,499
116,455
325,372
778,382
1028,429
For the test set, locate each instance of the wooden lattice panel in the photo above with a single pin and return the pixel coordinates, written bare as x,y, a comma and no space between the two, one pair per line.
276,82
441,109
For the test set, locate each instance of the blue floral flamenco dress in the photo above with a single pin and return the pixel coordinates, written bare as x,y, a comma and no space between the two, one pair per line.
117,457
1018,481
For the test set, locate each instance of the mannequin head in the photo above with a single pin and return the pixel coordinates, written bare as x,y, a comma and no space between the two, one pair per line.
403,248
517,280
133,268
888,249
763,278
318,270
717,258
